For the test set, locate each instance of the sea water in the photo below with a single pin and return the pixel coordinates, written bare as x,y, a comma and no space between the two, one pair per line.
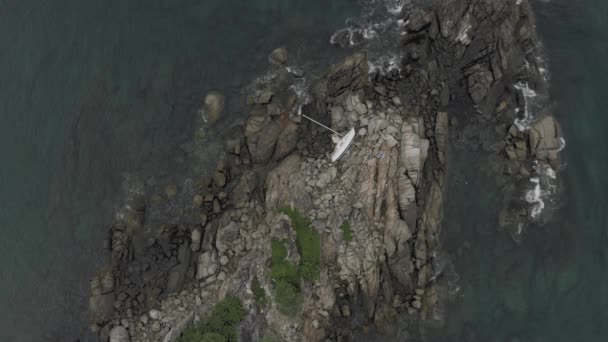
95,95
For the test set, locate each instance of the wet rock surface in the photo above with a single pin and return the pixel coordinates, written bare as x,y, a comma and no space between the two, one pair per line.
181,247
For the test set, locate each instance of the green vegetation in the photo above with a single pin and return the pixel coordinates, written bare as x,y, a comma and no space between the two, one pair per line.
258,292
285,274
308,243
347,233
220,325
286,279
270,336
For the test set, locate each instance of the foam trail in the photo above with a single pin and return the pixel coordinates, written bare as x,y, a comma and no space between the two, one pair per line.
523,124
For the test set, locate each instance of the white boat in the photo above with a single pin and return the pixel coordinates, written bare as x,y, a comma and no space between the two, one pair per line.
343,145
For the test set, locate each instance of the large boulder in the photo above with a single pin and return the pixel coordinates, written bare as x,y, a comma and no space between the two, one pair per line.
119,334
544,139
278,56
261,144
287,141
213,107
285,186
226,236
351,74
479,81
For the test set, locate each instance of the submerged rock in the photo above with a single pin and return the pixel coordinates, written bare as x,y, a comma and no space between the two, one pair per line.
213,106
278,56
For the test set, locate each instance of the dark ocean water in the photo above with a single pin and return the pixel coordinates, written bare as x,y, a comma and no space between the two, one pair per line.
93,91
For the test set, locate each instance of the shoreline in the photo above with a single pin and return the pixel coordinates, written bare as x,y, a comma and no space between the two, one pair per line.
205,239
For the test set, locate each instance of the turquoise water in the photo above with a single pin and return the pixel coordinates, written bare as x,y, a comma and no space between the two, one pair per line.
91,91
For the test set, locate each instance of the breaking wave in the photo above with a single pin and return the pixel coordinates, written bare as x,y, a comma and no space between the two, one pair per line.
376,30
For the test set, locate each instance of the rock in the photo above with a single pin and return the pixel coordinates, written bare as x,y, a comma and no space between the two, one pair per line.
544,139
265,97
226,236
156,326
244,189
213,107
285,186
175,278
171,190
224,260
287,141
273,109
362,132
441,135
179,328
217,208
261,144
207,265
197,201
119,334
107,281
255,123
101,305
278,56
195,240
345,310
479,81
155,314
418,20
351,74
338,118
219,179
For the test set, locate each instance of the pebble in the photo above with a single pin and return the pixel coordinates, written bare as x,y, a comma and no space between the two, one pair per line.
345,310
155,314
223,260
216,207
221,276
315,324
362,132
156,326
197,201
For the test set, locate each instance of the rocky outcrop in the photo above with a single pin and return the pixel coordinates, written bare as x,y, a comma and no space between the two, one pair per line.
377,211
544,139
285,186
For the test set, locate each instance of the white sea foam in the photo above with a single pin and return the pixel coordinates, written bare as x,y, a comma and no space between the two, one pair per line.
300,88
534,197
523,124
385,64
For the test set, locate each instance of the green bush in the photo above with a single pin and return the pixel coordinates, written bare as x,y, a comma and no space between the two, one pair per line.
308,243
286,279
258,292
288,297
220,325
347,233
285,274
270,336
